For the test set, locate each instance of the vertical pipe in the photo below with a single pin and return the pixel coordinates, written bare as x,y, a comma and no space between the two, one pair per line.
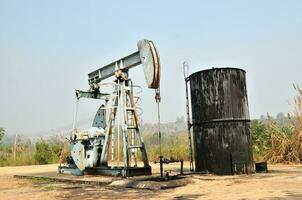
186,73
181,167
157,99
118,122
161,166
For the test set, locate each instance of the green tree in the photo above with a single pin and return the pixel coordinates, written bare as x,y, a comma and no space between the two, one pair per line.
261,138
2,132
43,154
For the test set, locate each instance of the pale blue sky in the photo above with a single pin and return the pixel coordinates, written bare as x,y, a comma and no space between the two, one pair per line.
48,48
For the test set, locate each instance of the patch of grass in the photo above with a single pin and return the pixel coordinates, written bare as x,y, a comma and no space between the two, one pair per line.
51,187
37,180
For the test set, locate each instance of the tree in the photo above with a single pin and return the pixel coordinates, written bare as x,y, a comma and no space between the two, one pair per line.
2,133
43,153
261,139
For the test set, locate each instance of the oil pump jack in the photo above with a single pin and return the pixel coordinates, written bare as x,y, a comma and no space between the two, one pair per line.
116,124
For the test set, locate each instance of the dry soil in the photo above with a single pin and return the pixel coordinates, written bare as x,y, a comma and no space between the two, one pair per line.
282,182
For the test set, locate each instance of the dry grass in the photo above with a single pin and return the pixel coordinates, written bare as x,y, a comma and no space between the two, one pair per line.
64,153
286,147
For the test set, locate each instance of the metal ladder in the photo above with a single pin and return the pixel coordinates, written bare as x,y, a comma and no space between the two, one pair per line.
123,99
132,135
189,124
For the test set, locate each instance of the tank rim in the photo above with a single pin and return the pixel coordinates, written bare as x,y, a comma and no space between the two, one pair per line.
220,68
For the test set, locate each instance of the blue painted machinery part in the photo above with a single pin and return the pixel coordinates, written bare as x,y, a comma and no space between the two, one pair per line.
85,149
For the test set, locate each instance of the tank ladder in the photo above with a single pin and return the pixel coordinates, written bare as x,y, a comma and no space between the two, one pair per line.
189,125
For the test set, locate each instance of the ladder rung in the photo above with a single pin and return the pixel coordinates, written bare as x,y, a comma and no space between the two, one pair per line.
132,127
130,109
134,147
109,107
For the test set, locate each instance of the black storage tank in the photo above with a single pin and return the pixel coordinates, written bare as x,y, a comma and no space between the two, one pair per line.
220,119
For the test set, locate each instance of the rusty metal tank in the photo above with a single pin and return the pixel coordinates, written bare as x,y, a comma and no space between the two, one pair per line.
220,120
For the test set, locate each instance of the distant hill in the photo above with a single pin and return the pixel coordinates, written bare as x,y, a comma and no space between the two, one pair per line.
147,128
179,125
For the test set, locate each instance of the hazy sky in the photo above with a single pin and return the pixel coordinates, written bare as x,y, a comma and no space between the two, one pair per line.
48,48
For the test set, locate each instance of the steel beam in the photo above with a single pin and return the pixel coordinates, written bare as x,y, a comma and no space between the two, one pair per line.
107,71
93,95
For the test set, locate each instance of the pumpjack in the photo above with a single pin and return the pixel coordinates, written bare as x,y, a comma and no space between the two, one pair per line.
115,129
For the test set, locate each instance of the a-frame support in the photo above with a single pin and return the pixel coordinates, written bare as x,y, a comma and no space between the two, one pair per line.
122,115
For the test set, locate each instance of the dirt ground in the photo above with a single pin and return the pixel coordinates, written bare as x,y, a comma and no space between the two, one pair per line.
282,182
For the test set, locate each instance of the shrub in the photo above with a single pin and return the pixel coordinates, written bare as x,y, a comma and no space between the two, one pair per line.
43,154
260,139
2,132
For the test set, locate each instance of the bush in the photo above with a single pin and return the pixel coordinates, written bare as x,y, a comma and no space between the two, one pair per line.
43,154
261,139
173,146
2,132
